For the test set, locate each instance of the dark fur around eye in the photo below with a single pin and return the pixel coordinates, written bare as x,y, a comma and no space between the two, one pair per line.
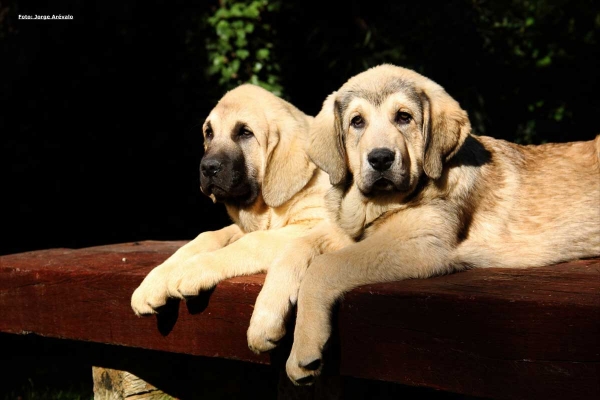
357,122
245,133
403,117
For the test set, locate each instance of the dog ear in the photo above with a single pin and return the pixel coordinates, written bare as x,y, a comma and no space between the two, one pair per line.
326,144
288,168
445,128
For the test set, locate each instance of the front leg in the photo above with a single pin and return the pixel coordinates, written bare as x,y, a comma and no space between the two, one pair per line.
250,254
390,254
152,292
280,290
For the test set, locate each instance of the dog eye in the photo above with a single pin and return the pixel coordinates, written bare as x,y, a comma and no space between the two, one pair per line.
403,117
208,133
357,122
245,133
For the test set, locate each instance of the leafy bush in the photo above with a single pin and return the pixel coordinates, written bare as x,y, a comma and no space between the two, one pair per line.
523,69
242,48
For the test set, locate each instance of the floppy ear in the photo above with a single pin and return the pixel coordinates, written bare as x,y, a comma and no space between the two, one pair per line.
445,128
288,167
325,145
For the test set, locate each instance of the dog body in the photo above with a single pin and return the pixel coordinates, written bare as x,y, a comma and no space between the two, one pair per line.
256,164
510,212
422,196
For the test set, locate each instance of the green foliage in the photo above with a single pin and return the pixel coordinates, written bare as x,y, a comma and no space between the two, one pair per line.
537,39
242,48
524,69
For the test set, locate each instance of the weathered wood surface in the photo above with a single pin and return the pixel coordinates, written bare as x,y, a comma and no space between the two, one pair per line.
85,295
499,333
112,384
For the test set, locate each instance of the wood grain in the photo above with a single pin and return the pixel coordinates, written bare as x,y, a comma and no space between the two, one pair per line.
501,333
112,384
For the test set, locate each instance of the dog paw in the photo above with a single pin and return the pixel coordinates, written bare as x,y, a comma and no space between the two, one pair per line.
189,280
181,280
265,331
303,366
151,294
311,334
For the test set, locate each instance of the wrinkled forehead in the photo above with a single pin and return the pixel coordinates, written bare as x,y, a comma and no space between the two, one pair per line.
397,91
239,113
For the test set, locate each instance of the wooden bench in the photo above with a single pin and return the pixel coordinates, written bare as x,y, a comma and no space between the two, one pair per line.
498,333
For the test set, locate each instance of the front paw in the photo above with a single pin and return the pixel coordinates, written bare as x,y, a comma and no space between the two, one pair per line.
311,334
152,293
180,280
191,278
304,364
266,329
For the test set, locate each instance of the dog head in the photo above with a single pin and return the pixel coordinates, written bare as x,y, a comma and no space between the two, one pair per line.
254,146
386,127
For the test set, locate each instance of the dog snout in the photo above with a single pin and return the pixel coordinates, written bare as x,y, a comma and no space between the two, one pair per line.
381,159
210,167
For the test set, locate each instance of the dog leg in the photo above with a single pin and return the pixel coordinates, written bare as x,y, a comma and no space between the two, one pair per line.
390,254
280,291
250,254
277,297
151,293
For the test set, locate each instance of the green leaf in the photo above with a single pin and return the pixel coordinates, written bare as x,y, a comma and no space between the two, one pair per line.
544,62
223,29
237,24
559,113
235,66
252,11
222,13
241,41
218,60
236,10
242,53
262,54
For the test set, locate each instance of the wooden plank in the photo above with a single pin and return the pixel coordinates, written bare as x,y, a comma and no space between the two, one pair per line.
113,384
526,333
494,333
85,295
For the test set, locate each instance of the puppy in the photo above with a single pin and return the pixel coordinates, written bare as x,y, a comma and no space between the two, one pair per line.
421,196
256,164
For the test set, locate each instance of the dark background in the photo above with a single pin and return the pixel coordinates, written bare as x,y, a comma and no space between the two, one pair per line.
99,115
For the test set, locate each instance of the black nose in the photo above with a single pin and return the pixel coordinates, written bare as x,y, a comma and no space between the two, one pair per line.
381,159
210,167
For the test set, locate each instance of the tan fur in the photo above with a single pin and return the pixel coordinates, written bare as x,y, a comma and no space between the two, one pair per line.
275,234
466,201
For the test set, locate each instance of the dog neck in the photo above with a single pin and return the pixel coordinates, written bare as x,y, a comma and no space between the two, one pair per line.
355,213
304,208
251,218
